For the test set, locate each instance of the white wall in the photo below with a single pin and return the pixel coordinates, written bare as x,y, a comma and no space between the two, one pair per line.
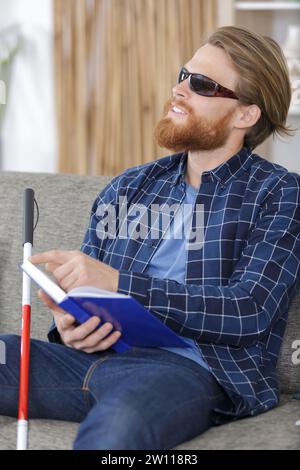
33,12
29,136
285,152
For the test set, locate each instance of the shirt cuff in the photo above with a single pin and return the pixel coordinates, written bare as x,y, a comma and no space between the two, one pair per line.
135,284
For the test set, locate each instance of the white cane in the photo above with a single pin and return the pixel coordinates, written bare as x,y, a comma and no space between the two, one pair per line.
28,216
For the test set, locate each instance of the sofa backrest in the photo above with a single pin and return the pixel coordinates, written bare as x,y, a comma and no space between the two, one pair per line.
65,202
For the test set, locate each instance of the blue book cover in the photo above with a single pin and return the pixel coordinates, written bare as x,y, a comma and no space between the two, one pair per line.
138,326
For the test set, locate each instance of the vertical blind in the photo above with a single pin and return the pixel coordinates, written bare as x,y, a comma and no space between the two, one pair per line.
116,62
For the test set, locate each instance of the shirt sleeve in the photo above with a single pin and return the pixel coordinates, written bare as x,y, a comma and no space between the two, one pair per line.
264,280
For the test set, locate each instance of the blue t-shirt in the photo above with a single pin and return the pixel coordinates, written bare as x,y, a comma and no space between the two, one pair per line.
169,262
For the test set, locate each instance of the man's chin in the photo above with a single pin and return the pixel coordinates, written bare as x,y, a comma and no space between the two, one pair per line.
164,135
174,148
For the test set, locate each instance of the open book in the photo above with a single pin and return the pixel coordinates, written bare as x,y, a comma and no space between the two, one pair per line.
138,326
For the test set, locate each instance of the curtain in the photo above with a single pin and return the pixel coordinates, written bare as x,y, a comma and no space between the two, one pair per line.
116,62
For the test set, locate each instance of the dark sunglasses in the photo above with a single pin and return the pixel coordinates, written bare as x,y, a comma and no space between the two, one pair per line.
205,86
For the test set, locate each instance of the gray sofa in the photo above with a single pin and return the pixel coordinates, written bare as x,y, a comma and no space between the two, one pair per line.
65,203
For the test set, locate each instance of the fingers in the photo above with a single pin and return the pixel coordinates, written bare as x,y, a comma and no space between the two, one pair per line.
65,274
85,338
104,344
64,321
66,324
81,332
50,267
68,282
56,256
94,338
64,270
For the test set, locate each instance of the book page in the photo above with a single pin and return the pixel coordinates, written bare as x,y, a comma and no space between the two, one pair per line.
90,291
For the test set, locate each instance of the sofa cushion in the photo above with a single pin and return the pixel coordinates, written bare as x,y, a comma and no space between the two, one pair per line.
272,430
288,367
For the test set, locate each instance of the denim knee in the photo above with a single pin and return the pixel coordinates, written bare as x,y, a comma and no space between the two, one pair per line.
114,425
10,338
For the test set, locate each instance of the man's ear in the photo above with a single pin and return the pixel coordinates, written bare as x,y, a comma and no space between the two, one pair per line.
248,115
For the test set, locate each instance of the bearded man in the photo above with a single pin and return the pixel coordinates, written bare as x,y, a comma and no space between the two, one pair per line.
227,293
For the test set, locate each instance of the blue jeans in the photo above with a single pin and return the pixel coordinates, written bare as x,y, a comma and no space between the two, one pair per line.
145,398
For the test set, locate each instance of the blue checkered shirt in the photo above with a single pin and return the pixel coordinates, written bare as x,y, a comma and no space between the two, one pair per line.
238,286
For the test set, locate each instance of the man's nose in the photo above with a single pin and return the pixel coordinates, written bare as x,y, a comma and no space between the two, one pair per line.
181,89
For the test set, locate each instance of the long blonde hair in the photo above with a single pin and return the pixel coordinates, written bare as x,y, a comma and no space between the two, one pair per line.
263,79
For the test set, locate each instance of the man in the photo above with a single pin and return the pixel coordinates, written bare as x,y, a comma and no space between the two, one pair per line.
228,296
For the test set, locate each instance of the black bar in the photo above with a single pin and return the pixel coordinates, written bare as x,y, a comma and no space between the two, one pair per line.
28,215
105,459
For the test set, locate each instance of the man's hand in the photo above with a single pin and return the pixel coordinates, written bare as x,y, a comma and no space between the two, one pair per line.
84,337
75,269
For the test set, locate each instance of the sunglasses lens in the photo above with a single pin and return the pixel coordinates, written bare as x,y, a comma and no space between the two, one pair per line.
202,86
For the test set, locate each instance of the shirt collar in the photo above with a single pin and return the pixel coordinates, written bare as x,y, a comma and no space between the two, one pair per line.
223,173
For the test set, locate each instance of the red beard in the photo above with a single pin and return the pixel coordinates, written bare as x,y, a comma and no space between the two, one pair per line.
193,134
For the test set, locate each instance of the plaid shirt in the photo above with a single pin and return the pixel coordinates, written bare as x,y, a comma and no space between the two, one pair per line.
238,285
